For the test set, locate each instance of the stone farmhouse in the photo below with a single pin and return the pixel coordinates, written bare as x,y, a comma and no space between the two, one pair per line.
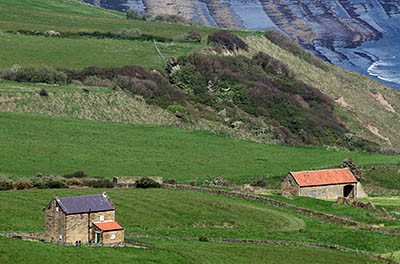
78,220
323,184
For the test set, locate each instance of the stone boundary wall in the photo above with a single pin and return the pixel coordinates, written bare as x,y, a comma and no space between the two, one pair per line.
328,217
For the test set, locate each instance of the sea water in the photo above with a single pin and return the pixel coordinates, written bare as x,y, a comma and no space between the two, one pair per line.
386,69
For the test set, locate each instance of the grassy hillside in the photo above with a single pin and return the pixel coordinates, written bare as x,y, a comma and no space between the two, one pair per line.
31,143
180,214
369,108
75,16
62,52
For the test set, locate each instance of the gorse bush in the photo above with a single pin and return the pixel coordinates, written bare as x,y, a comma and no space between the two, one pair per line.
130,33
145,183
78,174
227,40
191,36
98,82
40,74
177,109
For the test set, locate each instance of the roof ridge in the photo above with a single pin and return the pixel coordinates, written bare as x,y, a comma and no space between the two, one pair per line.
321,170
87,195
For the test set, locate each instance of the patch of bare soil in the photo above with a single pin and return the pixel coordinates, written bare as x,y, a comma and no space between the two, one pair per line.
341,102
382,101
374,130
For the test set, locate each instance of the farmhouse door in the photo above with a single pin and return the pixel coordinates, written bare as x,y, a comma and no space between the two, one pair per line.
97,238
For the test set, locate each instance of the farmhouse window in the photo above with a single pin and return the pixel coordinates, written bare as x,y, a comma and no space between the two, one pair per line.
101,217
56,208
290,182
112,235
60,237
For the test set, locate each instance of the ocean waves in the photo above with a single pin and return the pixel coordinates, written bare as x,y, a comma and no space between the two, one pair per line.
386,69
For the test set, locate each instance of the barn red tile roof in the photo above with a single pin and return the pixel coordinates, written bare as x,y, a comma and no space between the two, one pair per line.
323,177
108,226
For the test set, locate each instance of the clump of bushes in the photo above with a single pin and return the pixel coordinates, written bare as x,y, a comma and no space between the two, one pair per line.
99,183
171,181
227,40
177,109
130,33
145,183
260,183
294,47
40,74
98,82
191,36
77,174
5,183
43,92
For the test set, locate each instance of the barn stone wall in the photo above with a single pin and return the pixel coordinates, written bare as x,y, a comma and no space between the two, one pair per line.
325,192
289,184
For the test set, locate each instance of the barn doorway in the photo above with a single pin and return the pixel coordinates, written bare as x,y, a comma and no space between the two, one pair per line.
348,191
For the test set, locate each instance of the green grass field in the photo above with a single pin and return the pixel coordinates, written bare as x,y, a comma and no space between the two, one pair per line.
14,251
81,53
160,212
32,143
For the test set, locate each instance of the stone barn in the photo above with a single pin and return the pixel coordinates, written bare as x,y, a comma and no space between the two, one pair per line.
77,220
323,184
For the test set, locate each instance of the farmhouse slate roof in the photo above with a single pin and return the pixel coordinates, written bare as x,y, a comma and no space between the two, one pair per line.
109,226
82,204
323,177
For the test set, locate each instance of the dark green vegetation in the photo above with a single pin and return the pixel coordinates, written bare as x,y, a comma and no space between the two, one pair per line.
160,212
386,176
31,143
260,91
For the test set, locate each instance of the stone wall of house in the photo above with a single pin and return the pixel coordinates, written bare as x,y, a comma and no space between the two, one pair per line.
325,192
54,222
289,185
78,224
130,182
119,237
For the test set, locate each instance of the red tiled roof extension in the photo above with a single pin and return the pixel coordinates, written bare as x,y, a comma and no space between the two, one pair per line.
323,177
108,226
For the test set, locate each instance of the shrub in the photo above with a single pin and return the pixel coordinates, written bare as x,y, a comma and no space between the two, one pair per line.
193,182
227,40
260,183
177,109
55,185
41,74
99,183
10,74
133,14
74,181
191,36
98,82
204,239
171,181
130,33
78,174
171,19
5,185
22,184
146,182
43,92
